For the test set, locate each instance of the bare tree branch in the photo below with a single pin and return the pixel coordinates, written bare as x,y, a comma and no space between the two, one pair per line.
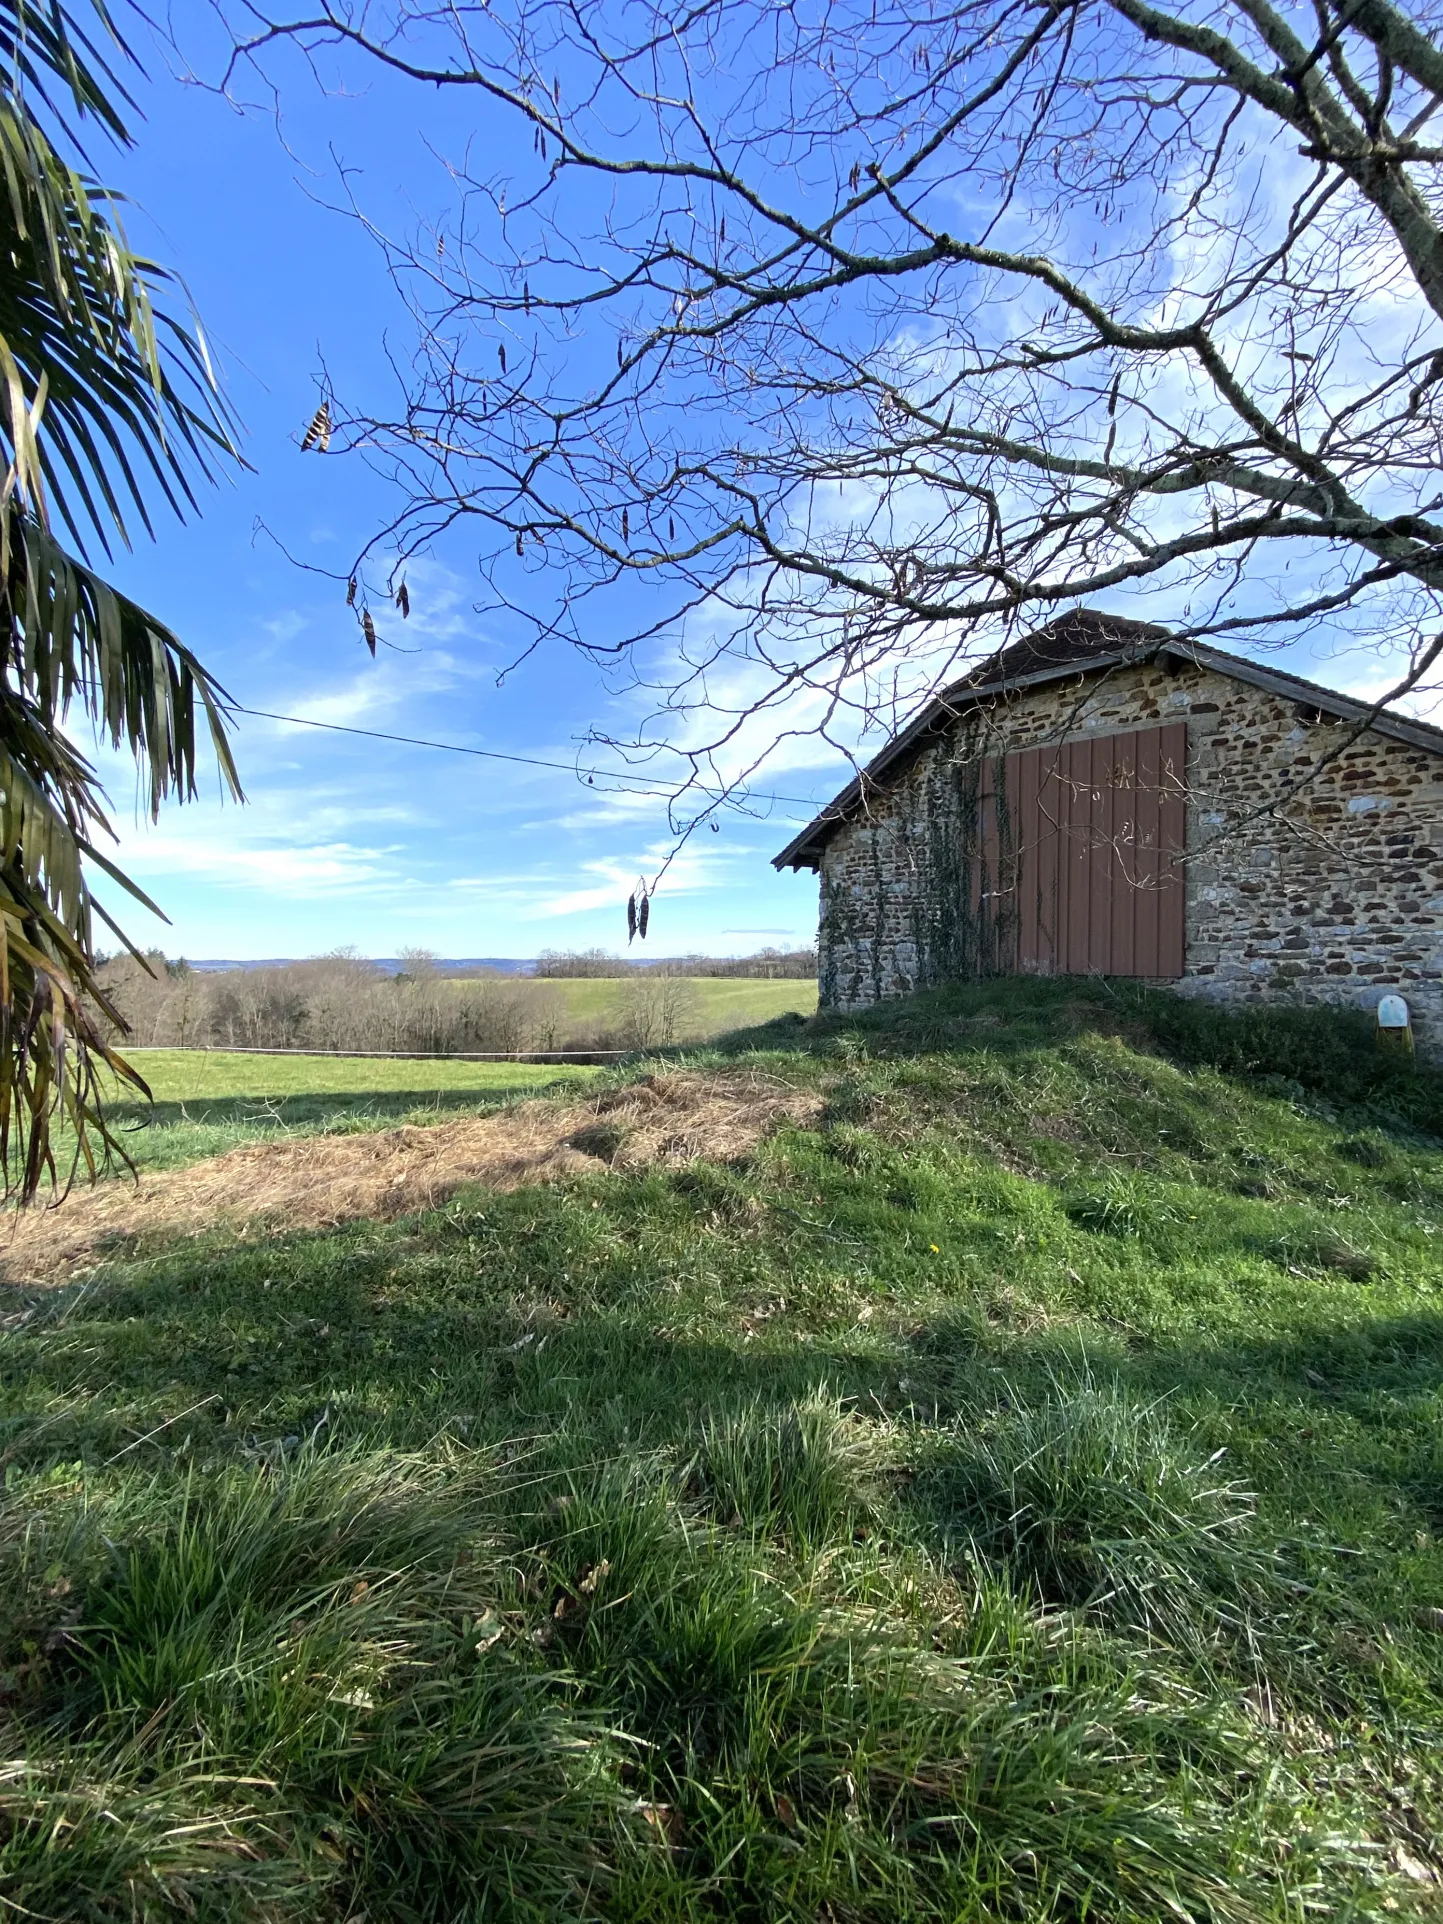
807,352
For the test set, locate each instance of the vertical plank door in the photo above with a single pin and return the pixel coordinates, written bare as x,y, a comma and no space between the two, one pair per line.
1095,826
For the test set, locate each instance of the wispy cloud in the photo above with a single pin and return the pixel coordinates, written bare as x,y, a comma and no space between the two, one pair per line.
386,687
246,862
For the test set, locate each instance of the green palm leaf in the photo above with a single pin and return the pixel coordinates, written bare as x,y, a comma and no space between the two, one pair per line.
105,399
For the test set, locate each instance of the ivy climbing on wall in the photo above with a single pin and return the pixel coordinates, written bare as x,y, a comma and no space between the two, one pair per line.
964,904
923,890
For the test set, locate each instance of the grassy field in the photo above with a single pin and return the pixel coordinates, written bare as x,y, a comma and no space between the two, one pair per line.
208,1101
201,1077
722,1003
1017,1497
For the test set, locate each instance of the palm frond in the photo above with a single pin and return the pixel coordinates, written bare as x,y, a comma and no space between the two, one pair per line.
106,399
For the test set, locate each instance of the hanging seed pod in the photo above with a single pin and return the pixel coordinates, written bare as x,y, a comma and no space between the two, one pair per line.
368,629
625,525
643,916
318,434
671,527
351,592
722,231
501,354
631,918
620,355
403,601
518,541
526,295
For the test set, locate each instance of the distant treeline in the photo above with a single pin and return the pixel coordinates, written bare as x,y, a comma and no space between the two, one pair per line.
342,1001
334,1002
767,965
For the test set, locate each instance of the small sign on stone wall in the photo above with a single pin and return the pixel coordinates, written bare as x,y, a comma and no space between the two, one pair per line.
1395,1025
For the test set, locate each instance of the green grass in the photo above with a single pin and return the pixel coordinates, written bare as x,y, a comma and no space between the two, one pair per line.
723,1002
1017,1497
203,1076
207,1102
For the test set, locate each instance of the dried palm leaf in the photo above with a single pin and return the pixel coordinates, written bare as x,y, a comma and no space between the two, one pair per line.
104,397
318,434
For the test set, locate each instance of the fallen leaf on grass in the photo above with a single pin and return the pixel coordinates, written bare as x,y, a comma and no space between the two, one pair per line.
665,1823
1412,1867
482,1635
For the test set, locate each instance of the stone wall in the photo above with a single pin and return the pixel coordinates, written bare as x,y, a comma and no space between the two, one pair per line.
1334,895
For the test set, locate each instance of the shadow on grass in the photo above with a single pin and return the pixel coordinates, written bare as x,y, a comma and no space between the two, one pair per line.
332,1106
1273,1493
1325,1052
501,1322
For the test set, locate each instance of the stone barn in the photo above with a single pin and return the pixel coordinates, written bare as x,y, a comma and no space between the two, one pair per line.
1101,798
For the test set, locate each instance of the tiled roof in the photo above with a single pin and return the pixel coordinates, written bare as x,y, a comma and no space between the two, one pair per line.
1084,640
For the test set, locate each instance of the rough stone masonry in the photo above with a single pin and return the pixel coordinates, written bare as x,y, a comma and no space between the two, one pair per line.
1332,893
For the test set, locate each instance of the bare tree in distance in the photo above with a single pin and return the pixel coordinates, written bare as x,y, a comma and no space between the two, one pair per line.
655,1011
806,354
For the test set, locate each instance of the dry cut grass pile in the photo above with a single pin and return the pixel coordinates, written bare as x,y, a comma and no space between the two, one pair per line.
316,1182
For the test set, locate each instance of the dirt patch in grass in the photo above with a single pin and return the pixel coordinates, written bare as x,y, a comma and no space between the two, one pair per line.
316,1182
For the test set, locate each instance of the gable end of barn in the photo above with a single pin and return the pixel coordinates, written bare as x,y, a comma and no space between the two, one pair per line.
1177,816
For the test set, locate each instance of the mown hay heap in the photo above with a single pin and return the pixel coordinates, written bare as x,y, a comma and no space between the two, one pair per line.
315,1182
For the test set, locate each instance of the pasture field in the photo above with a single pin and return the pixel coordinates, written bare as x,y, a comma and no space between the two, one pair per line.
1010,1489
203,1076
723,1003
207,1101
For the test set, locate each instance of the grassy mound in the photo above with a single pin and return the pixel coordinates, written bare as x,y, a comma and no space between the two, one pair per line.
1016,1495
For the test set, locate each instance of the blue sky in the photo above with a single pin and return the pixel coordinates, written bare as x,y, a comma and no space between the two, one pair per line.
348,841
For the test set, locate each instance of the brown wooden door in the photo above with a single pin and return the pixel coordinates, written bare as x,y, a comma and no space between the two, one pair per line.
1086,835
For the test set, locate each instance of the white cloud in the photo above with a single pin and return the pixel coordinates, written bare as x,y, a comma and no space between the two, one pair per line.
246,861
376,690
1374,683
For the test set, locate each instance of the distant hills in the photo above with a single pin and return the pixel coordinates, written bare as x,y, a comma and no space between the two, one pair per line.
447,964
558,966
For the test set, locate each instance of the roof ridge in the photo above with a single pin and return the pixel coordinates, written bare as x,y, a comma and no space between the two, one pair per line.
944,707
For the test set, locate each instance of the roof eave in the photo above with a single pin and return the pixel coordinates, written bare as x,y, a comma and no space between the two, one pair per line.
805,850
1403,728
946,707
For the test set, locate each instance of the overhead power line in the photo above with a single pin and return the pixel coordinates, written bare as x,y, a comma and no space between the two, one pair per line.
617,783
